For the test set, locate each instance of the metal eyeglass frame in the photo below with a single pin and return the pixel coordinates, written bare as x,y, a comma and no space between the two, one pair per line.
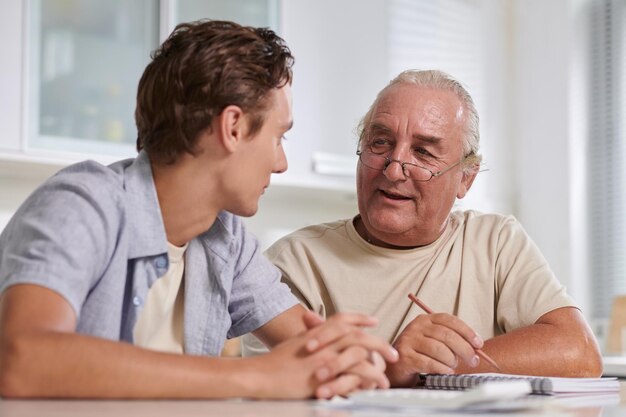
388,162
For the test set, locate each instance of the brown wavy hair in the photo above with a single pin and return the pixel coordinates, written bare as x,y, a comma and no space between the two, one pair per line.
199,70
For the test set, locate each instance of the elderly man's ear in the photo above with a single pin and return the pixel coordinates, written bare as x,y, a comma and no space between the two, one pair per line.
466,183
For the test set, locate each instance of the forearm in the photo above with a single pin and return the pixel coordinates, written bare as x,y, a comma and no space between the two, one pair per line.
542,349
284,326
69,365
560,343
41,357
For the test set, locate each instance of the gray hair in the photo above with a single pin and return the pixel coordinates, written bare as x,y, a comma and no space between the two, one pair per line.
438,80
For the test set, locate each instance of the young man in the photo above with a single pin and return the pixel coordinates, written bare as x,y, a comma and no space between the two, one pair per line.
108,274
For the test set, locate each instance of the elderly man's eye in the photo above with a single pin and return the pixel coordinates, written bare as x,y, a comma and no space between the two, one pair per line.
422,152
380,144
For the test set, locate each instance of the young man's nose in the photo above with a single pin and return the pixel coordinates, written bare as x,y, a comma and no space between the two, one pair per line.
281,164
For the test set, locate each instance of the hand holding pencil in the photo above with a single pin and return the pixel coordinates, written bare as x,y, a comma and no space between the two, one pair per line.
436,343
478,351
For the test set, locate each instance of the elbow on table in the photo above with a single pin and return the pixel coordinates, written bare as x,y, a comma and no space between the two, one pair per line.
594,363
589,368
587,358
13,377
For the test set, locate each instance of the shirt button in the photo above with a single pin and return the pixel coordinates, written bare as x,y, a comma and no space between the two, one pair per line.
160,262
136,301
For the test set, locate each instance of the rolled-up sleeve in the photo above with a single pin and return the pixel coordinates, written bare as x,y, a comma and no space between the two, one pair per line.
257,294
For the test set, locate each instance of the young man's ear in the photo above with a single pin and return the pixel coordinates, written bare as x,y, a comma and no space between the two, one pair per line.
232,125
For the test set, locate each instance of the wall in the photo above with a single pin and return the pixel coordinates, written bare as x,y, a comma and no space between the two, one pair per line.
496,111
340,51
10,72
549,133
285,209
14,191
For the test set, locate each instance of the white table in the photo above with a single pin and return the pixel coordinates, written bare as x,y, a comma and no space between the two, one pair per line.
240,408
64,408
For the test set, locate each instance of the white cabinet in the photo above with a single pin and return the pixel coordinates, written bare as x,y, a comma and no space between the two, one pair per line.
83,60
69,82
70,71
71,76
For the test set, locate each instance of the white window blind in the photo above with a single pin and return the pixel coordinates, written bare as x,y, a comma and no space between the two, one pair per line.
607,155
438,34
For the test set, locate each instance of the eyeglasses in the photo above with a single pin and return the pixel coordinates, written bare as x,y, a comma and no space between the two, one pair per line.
380,162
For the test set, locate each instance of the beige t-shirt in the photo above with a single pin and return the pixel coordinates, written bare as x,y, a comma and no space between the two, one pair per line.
484,268
160,323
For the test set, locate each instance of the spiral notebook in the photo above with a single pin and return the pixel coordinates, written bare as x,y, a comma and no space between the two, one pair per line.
539,384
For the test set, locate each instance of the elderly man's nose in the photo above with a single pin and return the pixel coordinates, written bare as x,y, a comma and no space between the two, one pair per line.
401,152
394,170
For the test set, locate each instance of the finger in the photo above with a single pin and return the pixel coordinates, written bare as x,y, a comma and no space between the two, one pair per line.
371,375
446,345
367,385
336,327
450,331
379,365
353,356
413,362
312,319
377,360
358,337
343,385
459,327
348,358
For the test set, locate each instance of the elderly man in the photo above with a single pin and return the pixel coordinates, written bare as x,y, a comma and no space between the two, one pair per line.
122,281
484,278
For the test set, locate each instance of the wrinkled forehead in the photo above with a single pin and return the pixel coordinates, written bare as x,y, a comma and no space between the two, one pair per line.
413,100
418,110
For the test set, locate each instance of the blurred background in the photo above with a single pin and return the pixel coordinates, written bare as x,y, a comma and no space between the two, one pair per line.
548,78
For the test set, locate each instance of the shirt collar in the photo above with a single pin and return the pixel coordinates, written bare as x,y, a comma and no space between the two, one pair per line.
145,222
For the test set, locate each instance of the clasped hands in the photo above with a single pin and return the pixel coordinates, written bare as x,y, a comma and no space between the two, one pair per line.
332,357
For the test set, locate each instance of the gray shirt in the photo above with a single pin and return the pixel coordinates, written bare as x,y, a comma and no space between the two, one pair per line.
94,234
